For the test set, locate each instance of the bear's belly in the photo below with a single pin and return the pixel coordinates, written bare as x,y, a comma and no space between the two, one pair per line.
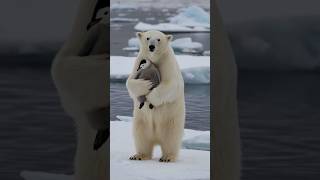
158,119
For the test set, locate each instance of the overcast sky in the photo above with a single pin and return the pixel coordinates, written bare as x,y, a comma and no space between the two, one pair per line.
240,10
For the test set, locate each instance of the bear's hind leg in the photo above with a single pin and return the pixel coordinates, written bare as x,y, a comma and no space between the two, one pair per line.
169,152
170,144
143,143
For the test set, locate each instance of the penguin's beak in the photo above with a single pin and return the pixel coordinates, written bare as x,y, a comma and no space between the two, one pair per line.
101,137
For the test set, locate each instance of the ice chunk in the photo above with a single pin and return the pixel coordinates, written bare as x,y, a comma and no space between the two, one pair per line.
133,42
187,45
191,19
193,16
206,53
121,19
196,75
199,142
125,118
169,27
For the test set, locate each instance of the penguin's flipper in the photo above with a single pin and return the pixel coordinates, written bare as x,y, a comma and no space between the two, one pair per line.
101,137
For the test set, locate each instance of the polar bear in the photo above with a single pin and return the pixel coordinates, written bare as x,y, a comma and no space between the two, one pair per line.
164,124
79,72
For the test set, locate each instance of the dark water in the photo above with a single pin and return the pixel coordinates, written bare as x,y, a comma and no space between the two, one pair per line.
35,133
197,99
279,121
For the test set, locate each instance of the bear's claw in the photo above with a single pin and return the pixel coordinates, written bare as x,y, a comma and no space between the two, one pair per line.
138,157
164,160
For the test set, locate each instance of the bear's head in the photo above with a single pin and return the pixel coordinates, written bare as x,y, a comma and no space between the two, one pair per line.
154,42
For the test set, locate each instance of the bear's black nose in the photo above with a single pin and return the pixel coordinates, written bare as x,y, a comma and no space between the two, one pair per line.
151,48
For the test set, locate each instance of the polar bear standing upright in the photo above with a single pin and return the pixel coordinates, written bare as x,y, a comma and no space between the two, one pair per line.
164,124
79,72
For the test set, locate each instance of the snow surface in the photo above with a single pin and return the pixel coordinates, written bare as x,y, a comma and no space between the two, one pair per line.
195,69
192,139
191,164
185,45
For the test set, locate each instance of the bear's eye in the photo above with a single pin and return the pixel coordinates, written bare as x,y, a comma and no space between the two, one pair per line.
158,40
148,39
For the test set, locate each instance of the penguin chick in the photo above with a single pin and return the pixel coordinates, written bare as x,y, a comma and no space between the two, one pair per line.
147,71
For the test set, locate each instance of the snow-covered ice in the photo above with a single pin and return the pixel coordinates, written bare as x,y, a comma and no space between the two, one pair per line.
192,164
206,53
190,19
133,42
198,142
192,16
163,4
169,27
185,45
122,20
192,139
195,69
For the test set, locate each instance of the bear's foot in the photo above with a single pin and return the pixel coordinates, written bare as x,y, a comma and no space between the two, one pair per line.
166,159
139,157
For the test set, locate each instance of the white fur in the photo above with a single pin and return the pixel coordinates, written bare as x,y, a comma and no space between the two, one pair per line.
164,123
81,84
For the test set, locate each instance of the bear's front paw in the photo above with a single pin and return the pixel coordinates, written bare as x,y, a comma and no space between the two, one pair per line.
139,157
153,98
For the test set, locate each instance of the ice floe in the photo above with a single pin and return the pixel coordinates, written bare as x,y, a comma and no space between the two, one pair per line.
122,19
195,69
191,164
183,45
168,27
190,19
192,16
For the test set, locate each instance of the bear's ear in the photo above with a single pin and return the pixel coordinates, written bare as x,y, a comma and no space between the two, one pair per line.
169,37
139,34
